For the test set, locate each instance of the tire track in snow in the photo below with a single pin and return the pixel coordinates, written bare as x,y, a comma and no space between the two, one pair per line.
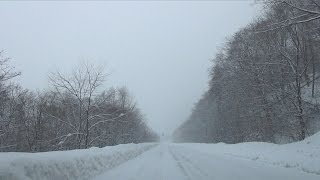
187,166
186,159
184,171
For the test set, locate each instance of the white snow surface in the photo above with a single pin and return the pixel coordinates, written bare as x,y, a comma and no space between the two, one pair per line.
248,161
67,165
303,156
244,161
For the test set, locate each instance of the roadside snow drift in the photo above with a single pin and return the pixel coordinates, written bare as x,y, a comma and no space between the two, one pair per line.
303,155
63,165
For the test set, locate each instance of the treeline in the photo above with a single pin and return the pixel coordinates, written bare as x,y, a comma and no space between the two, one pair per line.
263,82
74,113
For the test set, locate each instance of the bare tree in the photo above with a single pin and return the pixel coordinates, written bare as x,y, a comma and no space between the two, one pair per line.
83,84
7,72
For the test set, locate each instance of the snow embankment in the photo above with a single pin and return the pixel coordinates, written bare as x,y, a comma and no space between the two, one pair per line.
62,165
303,156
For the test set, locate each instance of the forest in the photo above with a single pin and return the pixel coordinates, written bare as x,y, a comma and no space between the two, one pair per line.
75,112
264,82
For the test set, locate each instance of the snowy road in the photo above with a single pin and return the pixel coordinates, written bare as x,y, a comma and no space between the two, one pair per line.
176,161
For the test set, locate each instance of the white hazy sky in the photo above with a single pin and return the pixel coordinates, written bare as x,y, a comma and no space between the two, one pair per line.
160,50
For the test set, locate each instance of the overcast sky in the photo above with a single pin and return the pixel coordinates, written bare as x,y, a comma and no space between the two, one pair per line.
160,50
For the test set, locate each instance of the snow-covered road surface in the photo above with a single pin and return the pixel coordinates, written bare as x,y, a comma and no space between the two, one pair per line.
156,161
179,161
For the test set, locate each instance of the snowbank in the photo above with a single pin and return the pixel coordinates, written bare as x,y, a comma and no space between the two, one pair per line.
62,165
304,155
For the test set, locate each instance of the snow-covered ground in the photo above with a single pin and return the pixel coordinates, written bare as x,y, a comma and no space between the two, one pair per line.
67,165
250,161
302,156
189,162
